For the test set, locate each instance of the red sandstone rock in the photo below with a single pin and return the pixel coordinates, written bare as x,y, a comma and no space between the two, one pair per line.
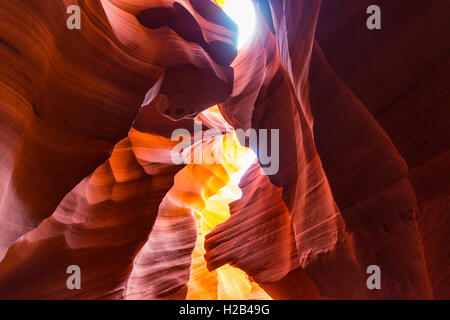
86,176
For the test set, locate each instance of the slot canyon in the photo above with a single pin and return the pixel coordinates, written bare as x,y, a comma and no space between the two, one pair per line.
88,179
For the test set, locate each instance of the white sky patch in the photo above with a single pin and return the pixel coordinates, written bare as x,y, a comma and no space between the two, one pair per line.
246,162
242,13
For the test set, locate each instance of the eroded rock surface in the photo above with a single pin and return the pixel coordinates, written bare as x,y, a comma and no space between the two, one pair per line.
87,178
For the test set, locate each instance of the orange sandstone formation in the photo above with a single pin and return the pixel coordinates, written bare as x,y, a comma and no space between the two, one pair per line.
87,176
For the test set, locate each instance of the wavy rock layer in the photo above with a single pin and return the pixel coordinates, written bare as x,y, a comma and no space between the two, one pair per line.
87,178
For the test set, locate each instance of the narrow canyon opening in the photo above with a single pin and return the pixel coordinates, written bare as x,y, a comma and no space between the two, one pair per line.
92,92
242,13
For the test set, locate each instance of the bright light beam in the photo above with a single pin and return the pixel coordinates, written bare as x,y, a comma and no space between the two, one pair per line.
242,13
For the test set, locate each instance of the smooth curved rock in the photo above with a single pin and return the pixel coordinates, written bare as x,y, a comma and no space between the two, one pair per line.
87,176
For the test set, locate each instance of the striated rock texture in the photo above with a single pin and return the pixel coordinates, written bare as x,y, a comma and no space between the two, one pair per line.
87,177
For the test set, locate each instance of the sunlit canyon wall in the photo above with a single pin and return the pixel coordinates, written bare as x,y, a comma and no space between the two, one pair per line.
87,177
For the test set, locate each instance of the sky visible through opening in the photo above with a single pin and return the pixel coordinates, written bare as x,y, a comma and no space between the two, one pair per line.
242,13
